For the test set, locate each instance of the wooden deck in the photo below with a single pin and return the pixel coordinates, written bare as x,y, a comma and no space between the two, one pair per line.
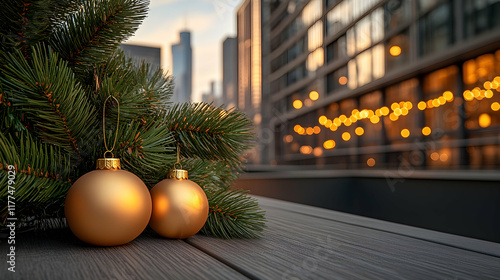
301,242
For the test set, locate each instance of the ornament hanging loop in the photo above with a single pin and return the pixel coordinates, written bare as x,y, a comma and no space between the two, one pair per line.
178,162
104,126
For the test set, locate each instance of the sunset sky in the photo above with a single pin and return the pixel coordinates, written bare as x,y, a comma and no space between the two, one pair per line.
210,22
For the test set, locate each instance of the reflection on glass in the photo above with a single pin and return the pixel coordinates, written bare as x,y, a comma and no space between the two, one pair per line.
436,29
315,36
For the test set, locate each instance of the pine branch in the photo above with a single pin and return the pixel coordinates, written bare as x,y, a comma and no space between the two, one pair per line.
210,133
211,174
233,214
41,179
46,96
142,92
90,35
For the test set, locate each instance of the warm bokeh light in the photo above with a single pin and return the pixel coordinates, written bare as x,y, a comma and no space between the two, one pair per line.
322,120
343,80
488,94
430,105
306,150
395,50
398,112
347,122
296,128
309,131
434,156
374,119
333,127
329,144
337,122
393,117
484,120
370,162
426,131
409,105
359,131
443,157
328,123
346,136
384,110
487,85
394,106
316,130
495,106
468,95
288,139
314,95
308,102
404,111
405,133
317,151
441,100
342,118
301,131
421,105
297,104
448,95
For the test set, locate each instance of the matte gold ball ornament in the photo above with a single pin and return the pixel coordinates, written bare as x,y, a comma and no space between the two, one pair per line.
180,206
108,206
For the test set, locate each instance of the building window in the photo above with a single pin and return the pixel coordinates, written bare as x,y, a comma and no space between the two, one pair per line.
397,13
436,30
336,50
397,51
401,119
370,133
366,67
480,16
336,81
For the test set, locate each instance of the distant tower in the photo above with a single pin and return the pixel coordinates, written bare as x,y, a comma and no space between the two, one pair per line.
182,68
138,53
230,72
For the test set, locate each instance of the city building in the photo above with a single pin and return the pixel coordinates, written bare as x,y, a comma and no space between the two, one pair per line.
249,37
182,68
400,84
211,96
230,72
151,55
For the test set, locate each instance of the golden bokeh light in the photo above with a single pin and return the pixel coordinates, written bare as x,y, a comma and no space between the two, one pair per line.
422,105
297,127
484,120
495,106
316,130
297,104
347,122
314,95
322,120
346,136
370,162
359,131
317,151
343,80
337,122
309,131
384,111
426,131
443,157
393,117
288,139
306,150
329,144
333,127
488,94
434,156
394,106
374,119
342,118
448,95
405,133
328,123
395,50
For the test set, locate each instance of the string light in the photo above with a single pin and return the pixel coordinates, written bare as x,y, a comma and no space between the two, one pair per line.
359,131
346,136
329,144
405,133
297,104
370,162
426,131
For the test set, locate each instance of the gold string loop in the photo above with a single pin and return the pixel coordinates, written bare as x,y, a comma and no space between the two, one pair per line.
104,126
178,158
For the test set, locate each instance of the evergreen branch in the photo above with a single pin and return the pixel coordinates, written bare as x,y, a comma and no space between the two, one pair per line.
145,150
90,35
210,133
45,92
211,174
24,23
233,214
141,91
41,179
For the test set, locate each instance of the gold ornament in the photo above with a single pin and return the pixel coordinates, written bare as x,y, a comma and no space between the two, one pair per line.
180,206
108,206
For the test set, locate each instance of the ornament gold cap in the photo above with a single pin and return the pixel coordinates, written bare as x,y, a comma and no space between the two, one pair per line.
179,174
108,164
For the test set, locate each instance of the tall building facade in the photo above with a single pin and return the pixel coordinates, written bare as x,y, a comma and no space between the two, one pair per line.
182,68
405,84
249,41
138,53
230,72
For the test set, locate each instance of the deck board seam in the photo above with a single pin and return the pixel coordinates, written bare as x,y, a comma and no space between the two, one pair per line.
386,231
222,260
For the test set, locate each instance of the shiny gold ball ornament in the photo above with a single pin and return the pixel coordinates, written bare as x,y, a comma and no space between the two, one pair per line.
108,206
180,206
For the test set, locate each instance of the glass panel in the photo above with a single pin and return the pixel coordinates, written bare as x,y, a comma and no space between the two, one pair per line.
364,61
337,80
480,16
371,129
337,50
315,36
363,34
398,51
397,12
378,61
436,30
401,100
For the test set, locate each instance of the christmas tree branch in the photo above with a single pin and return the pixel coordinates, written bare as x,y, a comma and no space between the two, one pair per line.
90,36
211,174
210,133
233,214
46,95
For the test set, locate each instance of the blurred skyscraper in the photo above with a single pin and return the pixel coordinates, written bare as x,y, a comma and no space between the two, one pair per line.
151,55
182,68
230,73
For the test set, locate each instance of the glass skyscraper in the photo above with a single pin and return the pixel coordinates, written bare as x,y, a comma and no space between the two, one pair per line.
182,68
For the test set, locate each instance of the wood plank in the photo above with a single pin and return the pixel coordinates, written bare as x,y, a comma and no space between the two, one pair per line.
466,243
59,255
306,246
